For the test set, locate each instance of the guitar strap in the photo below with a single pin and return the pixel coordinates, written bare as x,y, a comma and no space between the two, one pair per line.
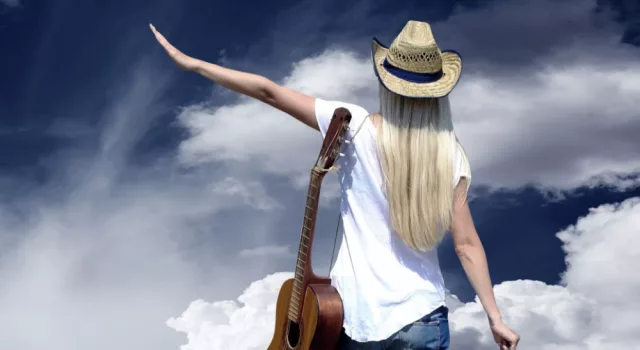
335,240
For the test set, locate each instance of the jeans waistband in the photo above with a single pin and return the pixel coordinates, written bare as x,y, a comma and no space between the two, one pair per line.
441,313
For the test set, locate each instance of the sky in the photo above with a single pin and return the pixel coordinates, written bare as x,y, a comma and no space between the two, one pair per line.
143,207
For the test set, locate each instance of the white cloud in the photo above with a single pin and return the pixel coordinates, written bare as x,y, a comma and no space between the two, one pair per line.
251,131
244,324
252,193
267,251
600,286
102,254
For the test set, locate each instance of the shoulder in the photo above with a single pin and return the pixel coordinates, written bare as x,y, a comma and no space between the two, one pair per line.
329,106
324,111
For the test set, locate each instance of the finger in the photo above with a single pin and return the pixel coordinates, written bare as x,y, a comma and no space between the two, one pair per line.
164,42
155,31
158,35
167,45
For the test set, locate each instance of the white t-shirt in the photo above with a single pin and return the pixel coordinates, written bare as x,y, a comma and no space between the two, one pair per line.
384,284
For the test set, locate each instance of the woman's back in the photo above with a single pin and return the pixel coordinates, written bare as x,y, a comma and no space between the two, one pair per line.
384,283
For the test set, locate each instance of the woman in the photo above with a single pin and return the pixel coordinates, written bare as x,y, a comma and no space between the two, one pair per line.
404,184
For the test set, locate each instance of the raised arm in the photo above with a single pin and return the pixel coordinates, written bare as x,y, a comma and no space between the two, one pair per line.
294,103
471,253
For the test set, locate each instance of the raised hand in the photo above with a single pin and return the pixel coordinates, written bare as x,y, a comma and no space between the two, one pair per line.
181,60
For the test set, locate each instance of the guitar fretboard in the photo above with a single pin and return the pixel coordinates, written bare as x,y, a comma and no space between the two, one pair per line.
304,250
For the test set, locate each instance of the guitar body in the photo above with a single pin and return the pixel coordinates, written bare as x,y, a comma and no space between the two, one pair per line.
321,318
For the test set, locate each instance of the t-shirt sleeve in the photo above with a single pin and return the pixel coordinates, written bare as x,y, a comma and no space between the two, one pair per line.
324,112
463,169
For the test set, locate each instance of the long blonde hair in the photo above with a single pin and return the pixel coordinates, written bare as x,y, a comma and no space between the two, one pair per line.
416,146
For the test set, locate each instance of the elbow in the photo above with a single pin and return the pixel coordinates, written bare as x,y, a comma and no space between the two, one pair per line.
266,91
468,254
467,247
462,250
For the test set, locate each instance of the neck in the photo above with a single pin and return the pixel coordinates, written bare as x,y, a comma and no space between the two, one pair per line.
303,263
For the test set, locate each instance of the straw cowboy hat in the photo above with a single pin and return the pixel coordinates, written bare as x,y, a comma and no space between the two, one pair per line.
414,66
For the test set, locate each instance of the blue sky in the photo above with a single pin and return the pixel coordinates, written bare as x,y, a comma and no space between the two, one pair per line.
129,188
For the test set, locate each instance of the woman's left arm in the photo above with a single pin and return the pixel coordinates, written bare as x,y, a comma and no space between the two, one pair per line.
294,103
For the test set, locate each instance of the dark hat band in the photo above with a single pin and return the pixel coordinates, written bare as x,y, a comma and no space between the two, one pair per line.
412,76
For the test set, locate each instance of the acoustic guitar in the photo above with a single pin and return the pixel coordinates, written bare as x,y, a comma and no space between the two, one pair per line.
309,310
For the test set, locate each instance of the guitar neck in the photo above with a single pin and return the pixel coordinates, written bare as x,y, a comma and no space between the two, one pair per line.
303,263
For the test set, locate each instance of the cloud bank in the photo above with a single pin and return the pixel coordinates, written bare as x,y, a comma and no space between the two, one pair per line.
599,285
100,254
569,120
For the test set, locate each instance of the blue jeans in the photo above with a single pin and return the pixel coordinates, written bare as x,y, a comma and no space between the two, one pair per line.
431,332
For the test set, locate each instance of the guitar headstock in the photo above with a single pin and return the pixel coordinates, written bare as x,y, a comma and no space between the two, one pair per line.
333,139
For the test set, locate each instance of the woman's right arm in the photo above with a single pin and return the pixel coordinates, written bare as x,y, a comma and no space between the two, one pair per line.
471,253
294,103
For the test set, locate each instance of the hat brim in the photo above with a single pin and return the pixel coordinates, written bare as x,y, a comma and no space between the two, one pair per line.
451,69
